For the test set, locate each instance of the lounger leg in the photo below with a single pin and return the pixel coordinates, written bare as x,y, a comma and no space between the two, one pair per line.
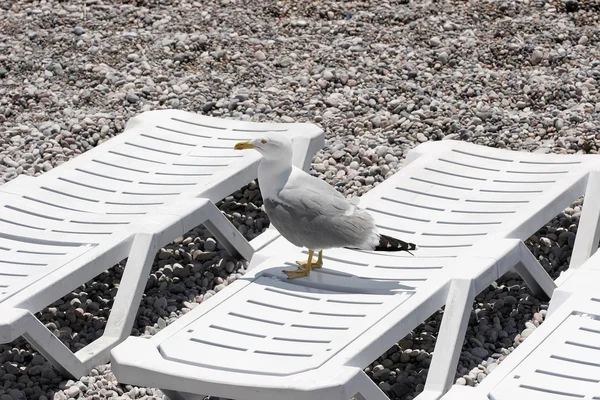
21,322
225,232
368,390
120,321
588,233
450,339
534,275
124,310
172,395
138,267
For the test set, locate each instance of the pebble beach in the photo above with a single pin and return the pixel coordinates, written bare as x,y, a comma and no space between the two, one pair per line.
379,77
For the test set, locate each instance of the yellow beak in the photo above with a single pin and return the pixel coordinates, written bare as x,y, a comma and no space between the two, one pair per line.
244,146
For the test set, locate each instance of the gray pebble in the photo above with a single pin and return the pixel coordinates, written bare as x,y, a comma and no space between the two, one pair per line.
479,352
260,56
435,42
536,57
132,97
210,245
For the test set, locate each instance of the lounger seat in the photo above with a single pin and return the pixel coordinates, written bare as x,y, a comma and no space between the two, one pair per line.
467,207
123,199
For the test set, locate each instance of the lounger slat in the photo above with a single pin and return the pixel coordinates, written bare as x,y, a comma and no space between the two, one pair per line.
54,235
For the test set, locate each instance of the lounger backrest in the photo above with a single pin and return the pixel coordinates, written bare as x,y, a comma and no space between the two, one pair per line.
455,194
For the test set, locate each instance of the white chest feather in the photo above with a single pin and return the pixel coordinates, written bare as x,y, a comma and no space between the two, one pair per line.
272,177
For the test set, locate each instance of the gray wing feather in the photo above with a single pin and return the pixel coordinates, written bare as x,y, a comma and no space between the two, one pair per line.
313,216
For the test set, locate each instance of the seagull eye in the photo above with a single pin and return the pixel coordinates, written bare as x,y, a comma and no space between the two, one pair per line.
263,141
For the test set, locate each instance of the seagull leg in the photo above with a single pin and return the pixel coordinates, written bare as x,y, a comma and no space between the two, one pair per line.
319,263
301,272
303,264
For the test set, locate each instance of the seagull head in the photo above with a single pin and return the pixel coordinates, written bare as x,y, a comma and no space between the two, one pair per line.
270,146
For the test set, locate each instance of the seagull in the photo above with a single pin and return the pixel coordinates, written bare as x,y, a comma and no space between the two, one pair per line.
310,213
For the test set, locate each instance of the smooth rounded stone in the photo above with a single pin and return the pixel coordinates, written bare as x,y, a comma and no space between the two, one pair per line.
48,373
323,84
571,5
443,57
527,332
210,244
10,162
16,394
327,75
404,357
530,325
78,30
160,303
60,395
208,106
490,367
260,55
10,368
73,391
479,352
510,301
378,368
381,151
338,154
498,304
401,389
536,57
385,387
229,267
132,97
374,170
461,381
435,41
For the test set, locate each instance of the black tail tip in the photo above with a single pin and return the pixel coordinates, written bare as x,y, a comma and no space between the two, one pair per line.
388,243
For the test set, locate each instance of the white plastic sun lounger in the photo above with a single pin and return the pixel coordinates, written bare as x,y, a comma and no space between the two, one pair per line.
123,199
264,337
560,360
